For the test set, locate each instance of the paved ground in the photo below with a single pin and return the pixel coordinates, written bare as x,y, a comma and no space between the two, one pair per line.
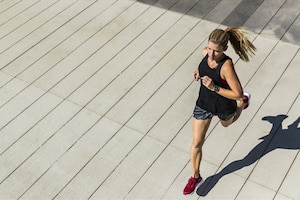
97,96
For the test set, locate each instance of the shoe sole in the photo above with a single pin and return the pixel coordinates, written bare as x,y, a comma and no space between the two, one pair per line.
248,96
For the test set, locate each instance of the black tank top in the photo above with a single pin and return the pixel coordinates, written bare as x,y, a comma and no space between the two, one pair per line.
210,100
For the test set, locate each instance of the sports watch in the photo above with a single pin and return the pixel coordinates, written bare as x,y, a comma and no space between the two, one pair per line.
216,88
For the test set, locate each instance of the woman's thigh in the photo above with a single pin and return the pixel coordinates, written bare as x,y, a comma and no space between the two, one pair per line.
199,130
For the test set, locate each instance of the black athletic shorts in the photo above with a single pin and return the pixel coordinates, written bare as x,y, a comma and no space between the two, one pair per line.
201,114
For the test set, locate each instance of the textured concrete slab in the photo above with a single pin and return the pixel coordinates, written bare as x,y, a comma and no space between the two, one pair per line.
97,99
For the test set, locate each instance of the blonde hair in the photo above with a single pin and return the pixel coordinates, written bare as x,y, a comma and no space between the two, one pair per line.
238,39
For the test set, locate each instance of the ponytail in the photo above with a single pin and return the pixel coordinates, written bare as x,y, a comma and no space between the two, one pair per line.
238,39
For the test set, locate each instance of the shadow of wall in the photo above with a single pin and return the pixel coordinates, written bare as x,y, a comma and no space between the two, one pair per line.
285,26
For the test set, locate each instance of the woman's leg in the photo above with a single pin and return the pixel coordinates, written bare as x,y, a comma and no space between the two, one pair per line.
240,107
199,129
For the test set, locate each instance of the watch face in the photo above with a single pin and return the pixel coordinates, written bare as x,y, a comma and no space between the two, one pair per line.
216,88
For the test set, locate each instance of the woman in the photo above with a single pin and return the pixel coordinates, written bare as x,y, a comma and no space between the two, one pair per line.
220,94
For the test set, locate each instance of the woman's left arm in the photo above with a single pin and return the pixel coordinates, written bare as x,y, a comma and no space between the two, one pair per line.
228,73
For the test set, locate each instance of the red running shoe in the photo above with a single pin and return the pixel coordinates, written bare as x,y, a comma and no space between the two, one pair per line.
191,185
246,100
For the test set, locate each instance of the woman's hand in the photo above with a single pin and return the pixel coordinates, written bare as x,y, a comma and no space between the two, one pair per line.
208,83
196,75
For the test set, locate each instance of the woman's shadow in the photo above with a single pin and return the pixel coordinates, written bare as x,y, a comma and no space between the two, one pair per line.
278,138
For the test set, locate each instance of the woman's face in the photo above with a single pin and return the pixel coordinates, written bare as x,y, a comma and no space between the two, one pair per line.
215,51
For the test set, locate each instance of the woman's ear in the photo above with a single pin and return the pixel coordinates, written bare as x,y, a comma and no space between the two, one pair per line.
225,48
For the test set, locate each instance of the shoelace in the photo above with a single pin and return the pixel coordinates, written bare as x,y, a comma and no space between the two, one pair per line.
192,181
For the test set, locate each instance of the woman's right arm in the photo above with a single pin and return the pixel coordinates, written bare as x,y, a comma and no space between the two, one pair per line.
196,75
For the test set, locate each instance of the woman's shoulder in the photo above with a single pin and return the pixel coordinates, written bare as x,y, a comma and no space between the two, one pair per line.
227,64
204,52
226,58
227,61
227,68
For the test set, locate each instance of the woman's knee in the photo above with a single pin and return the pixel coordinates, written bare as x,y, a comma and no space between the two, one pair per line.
197,144
226,123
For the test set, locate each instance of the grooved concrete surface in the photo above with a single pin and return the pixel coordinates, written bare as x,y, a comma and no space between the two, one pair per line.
97,98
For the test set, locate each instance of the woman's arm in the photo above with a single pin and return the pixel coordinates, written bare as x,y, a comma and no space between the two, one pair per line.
227,73
196,75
